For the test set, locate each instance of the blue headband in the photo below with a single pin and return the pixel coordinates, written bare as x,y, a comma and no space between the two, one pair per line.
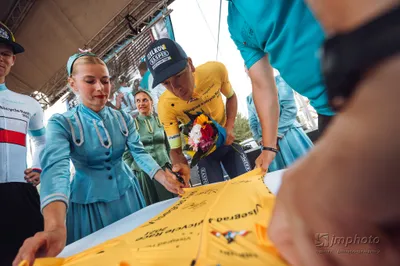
75,57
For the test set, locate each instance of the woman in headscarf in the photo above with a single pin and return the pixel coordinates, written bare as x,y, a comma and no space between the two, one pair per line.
155,142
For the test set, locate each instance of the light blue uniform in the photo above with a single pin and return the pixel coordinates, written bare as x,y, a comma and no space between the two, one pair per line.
104,188
288,32
144,83
292,140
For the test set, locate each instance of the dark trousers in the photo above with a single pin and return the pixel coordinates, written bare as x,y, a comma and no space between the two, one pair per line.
234,160
20,218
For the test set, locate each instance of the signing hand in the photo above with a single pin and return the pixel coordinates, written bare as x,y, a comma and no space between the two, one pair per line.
184,171
32,177
170,182
265,159
43,244
230,136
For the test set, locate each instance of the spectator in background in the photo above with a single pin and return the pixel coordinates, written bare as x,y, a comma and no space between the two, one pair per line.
292,141
136,86
115,99
144,73
147,84
155,143
127,103
20,216
155,91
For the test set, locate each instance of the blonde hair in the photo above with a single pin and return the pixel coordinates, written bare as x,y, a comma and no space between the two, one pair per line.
87,60
82,61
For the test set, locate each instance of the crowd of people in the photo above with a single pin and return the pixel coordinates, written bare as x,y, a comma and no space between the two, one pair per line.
346,184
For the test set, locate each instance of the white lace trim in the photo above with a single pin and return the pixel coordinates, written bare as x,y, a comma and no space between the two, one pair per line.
99,135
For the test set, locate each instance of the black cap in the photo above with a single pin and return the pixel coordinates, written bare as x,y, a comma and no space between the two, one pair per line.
165,58
7,37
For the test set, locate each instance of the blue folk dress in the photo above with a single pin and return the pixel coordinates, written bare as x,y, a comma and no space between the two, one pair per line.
293,142
103,189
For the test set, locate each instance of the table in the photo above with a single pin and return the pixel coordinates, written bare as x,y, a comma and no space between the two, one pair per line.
127,224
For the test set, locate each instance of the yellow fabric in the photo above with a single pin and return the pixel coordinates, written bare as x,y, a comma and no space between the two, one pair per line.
211,80
187,231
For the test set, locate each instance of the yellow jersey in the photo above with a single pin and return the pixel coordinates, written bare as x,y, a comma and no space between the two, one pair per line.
211,80
219,224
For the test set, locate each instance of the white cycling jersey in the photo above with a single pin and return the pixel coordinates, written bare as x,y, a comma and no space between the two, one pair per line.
19,115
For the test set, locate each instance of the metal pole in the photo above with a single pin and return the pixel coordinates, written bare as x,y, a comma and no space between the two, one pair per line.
219,27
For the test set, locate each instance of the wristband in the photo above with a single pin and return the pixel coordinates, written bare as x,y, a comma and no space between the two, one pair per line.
269,149
37,170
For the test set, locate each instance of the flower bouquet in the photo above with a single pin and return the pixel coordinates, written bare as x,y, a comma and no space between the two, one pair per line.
205,135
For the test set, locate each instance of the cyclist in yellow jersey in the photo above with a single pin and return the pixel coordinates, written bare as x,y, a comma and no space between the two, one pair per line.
192,90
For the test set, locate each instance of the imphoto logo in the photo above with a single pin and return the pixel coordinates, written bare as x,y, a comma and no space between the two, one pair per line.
327,240
321,240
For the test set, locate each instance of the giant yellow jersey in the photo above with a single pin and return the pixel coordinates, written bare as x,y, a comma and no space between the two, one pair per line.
218,224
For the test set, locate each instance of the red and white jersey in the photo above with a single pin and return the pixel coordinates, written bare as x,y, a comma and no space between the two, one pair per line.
19,115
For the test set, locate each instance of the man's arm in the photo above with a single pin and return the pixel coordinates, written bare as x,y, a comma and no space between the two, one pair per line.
231,111
51,241
265,96
37,134
253,120
171,127
231,102
177,156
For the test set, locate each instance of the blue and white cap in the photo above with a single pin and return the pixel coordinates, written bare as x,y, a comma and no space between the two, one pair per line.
165,58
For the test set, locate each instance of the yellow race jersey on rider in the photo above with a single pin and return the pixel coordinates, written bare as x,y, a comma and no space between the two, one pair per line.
211,81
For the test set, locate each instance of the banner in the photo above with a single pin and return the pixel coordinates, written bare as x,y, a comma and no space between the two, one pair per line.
217,224
163,29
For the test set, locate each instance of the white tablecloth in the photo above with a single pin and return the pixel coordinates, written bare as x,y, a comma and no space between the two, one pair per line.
127,224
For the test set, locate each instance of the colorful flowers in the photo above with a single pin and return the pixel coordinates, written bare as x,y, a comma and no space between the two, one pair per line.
205,135
202,120
202,134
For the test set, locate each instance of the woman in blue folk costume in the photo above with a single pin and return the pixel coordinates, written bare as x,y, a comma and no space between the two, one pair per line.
292,140
94,137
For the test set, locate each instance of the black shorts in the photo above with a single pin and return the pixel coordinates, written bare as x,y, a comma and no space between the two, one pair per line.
233,158
20,218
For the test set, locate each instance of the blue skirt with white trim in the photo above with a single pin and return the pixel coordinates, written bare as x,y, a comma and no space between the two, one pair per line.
294,144
85,219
